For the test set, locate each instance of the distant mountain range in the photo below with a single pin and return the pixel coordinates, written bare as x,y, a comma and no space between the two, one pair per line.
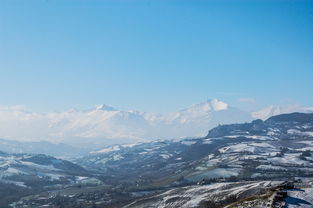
107,125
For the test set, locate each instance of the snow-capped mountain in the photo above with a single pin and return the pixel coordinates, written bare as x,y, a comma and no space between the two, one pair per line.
106,124
276,110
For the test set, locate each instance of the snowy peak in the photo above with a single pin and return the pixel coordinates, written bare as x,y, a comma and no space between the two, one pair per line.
200,111
104,107
276,110
267,112
209,105
218,105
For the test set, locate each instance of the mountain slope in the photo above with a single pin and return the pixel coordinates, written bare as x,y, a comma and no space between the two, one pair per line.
27,174
205,196
279,146
27,170
277,110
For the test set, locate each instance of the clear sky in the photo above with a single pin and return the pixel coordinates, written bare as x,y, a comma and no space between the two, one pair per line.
155,55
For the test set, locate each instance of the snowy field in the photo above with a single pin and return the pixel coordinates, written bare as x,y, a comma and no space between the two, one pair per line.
300,198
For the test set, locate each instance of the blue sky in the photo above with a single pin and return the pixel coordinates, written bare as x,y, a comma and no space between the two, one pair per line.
155,56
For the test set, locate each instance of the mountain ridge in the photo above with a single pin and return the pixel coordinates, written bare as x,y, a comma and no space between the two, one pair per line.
105,124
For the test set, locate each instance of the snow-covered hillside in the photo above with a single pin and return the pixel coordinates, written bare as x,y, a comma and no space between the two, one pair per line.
215,195
37,170
279,146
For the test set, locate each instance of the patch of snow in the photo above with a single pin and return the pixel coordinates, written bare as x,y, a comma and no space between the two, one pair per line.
166,156
129,145
109,149
207,141
288,159
293,131
188,142
270,167
117,157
